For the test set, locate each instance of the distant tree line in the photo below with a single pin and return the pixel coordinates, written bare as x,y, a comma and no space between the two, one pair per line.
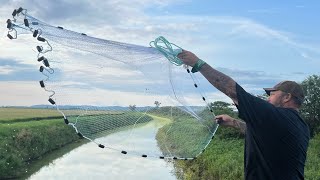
311,107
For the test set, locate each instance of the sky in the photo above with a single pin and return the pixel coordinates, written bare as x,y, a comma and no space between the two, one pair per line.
256,43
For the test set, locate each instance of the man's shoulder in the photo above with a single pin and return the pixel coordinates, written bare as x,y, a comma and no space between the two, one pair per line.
293,119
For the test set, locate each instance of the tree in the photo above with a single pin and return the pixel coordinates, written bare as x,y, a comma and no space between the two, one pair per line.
157,103
132,107
220,107
311,107
263,96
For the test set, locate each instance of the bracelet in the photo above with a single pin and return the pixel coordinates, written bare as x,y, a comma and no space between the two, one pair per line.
198,66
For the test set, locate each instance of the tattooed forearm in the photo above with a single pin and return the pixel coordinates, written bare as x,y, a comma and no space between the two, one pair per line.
239,125
221,81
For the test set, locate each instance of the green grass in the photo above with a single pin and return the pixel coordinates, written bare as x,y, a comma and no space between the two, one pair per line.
184,137
21,143
7,114
223,159
12,115
312,169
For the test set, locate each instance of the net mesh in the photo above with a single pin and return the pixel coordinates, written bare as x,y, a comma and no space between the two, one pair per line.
105,88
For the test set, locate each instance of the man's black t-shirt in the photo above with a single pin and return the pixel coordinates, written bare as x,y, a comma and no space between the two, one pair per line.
276,139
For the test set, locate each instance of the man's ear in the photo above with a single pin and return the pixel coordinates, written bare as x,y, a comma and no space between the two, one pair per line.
288,97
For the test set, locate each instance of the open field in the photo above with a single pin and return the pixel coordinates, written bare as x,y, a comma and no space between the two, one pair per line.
8,115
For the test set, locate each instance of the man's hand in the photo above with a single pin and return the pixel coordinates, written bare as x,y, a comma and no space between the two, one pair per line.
219,80
225,120
188,58
228,121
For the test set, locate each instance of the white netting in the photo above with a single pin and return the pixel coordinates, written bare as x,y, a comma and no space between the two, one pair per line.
105,87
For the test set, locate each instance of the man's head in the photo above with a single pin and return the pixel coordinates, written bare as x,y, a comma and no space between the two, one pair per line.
286,94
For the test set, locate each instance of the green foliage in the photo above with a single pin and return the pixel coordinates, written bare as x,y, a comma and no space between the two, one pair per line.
223,159
22,143
220,105
157,103
313,159
263,96
187,137
132,107
230,133
311,107
169,111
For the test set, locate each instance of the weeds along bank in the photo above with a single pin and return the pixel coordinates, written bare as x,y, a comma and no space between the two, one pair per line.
312,169
223,159
22,143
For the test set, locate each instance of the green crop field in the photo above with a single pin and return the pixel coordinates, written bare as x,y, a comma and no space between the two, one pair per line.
7,114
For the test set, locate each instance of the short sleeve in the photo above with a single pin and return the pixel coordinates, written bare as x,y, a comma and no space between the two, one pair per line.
253,109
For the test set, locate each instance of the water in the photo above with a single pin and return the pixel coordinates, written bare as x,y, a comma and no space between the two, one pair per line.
90,162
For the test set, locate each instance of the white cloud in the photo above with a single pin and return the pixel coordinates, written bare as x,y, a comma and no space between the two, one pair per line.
265,11
6,69
223,41
21,93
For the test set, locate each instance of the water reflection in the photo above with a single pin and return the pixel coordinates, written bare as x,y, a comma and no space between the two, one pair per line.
90,162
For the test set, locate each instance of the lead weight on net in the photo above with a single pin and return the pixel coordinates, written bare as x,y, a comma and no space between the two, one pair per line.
19,10
9,36
46,63
26,22
35,33
14,13
41,39
39,48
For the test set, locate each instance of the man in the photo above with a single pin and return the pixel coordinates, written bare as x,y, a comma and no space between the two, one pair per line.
276,136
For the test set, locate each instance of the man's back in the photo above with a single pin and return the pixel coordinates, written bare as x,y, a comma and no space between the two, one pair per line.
276,139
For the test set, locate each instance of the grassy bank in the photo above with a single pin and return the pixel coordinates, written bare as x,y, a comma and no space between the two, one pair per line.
183,137
24,142
223,159
312,169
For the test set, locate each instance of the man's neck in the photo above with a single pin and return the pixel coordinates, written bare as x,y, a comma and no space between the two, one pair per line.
291,106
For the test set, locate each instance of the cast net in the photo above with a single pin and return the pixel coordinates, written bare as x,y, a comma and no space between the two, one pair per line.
127,98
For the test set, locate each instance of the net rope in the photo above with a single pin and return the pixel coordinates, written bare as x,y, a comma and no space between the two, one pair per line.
105,88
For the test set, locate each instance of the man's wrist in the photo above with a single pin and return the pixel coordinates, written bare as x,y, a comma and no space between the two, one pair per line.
234,123
239,125
198,65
